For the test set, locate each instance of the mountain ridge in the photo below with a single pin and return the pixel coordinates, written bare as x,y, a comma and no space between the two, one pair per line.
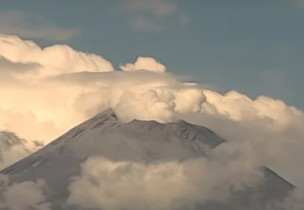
149,141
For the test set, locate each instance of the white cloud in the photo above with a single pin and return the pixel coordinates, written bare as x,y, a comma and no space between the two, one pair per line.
24,195
106,184
56,96
144,63
273,128
13,148
34,101
51,60
19,23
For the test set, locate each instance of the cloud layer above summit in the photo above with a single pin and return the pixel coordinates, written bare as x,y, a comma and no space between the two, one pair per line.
46,91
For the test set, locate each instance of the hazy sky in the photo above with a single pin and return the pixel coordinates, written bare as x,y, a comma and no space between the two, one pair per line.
253,46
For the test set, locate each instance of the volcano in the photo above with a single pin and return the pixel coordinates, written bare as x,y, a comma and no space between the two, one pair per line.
147,142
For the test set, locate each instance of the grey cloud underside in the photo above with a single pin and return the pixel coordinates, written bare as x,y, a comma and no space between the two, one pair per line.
86,77
12,148
9,139
9,69
17,67
136,141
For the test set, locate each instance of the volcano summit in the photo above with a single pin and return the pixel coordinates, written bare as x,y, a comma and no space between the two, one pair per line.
106,164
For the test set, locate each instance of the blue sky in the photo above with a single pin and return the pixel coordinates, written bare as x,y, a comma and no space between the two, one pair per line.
253,46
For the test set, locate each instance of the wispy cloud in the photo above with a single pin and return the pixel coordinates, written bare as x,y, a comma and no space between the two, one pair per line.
157,7
18,23
142,23
299,2
152,16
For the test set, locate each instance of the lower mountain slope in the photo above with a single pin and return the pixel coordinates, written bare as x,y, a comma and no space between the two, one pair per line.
146,142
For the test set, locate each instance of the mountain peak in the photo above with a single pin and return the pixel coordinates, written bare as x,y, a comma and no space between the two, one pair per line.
107,114
139,142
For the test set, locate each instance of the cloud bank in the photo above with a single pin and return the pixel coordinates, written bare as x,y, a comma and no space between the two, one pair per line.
106,184
51,60
14,148
46,91
23,195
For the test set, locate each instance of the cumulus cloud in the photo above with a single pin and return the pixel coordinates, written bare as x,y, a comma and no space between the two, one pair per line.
57,95
113,185
19,23
13,148
24,65
48,92
24,195
55,88
144,63
51,60
273,128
